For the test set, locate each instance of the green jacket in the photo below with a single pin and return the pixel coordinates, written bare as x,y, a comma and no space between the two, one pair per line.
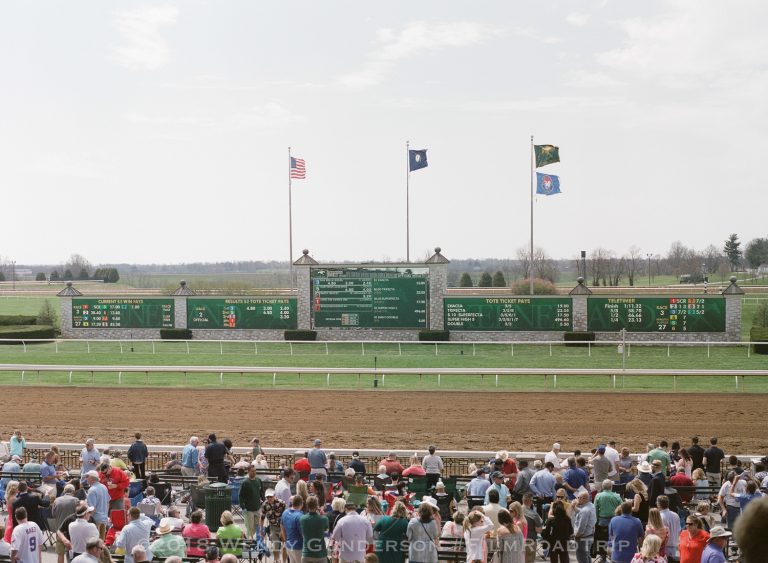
251,494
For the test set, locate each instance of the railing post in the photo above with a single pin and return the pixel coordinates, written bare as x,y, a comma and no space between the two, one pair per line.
589,349
554,380
326,348
473,349
221,377
274,379
119,377
399,350
22,376
70,377
88,343
121,347
550,349
362,347
667,350
438,379
153,346
435,349
57,347
187,343
221,347
328,379
707,349
291,346
674,383
497,380
512,350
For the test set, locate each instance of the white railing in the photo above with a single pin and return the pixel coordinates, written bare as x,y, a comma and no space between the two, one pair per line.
613,374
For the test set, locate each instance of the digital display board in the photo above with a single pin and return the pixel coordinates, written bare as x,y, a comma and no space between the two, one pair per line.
241,313
370,297
656,314
123,312
508,313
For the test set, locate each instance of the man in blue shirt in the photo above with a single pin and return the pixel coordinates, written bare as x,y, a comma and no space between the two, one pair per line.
98,498
574,478
479,485
713,553
499,486
543,483
623,534
290,524
317,460
189,458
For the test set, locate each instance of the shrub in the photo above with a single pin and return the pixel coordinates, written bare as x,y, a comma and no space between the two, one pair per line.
499,280
465,280
578,338
46,316
26,332
540,287
760,320
40,276
176,333
300,335
759,335
485,280
8,320
434,335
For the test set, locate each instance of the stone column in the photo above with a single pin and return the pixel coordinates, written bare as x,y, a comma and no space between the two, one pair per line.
180,312
438,283
579,296
303,289
733,299
65,307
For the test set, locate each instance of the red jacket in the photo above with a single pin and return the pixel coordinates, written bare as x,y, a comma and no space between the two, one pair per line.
116,477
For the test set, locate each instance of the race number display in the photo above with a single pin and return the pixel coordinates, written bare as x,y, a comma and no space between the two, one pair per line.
656,314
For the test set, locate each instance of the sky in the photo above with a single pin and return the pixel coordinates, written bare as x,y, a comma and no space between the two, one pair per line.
158,132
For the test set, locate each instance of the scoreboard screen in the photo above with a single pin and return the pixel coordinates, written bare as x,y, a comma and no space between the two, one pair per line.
242,313
508,313
656,314
370,297
122,312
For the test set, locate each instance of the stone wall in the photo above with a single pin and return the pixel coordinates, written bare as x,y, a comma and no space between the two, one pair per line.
733,317
438,283
505,336
579,313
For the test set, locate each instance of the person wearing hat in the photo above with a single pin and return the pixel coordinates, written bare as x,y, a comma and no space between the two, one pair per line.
644,470
272,512
167,544
658,483
718,539
356,464
215,452
81,530
94,547
317,461
498,485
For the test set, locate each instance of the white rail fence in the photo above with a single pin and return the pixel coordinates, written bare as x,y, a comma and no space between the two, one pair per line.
612,374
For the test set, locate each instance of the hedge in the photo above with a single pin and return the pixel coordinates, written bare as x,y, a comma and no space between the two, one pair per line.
300,335
26,332
759,335
176,333
578,338
434,335
17,320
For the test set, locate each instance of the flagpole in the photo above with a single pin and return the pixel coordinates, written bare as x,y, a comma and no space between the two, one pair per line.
533,171
290,223
407,203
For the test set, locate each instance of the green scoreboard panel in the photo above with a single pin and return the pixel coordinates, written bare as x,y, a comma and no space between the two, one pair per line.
508,313
656,314
370,297
241,313
123,312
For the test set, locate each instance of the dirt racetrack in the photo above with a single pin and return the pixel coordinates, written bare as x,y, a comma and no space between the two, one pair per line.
385,419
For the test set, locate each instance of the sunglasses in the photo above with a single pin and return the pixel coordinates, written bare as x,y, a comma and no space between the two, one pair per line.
690,523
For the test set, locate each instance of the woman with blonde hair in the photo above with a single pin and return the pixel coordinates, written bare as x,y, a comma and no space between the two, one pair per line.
373,511
415,469
11,491
476,525
637,492
229,531
302,489
391,532
703,509
656,527
649,552
518,517
701,483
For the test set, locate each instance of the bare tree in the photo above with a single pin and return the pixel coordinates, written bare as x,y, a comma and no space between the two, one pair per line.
632,262
524,262
598,265
542,266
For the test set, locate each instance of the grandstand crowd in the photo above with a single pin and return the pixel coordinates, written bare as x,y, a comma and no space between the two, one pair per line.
671,504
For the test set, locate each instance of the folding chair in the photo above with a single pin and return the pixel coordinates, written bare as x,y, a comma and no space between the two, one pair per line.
357,494
49,533
417,485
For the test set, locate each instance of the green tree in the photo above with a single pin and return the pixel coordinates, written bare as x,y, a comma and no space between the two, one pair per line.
47,314
55,276
760,320
84,275
498,280
68,274
40,276
465,280
485,280
113,276
757,252
2,276
732,251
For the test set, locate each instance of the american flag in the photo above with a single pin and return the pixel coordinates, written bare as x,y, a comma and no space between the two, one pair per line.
298,169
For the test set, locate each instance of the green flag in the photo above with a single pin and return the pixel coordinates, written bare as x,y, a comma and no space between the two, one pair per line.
546,154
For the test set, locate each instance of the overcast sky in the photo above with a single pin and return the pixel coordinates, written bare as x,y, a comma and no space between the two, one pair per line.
158,131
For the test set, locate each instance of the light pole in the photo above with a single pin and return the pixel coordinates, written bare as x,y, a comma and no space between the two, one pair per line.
649,268
13,273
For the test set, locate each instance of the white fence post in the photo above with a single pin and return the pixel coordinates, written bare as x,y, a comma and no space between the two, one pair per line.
120,377
70,377
153,346
88,343
328,379
473,349
187,343
399,351
497,380
291,345
326,348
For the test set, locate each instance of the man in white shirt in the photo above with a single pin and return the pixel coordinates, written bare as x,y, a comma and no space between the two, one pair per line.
553,456
93,549
5,453
27,540
612,454
353,533
433,466
283,487
81,530
135,533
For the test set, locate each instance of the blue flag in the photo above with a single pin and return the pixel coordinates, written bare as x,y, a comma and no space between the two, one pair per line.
547,184
417,159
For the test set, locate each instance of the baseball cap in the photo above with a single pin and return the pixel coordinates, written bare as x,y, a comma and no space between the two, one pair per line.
269,493
318,441
82,510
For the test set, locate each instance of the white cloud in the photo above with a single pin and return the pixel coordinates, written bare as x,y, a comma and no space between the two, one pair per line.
145,48
578,19
415,39
269,114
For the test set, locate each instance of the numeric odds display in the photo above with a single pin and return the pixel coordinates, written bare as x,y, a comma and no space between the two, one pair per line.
370,297
508,313
656,314
241,313
122,312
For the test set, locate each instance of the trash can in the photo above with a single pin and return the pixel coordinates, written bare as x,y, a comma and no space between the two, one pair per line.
218,498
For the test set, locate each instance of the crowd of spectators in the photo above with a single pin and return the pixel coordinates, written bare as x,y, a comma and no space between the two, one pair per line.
651,508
